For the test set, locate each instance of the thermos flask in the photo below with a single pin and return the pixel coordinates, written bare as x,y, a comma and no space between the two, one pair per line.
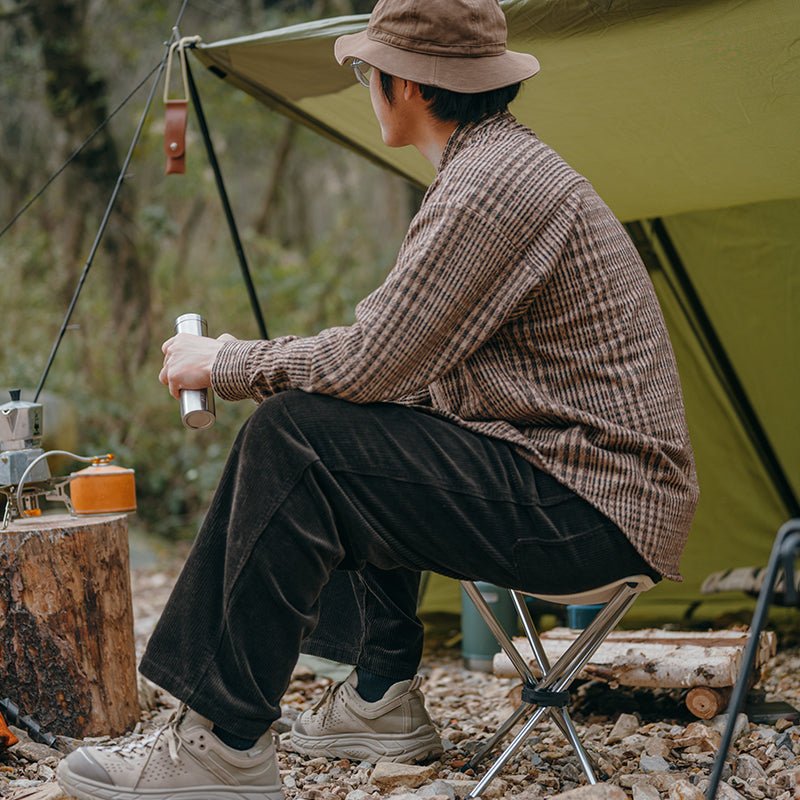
197,405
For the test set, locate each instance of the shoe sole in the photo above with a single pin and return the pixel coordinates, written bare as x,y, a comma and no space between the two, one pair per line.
422,744
87,789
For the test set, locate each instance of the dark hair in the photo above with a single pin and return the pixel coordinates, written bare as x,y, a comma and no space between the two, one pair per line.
448,106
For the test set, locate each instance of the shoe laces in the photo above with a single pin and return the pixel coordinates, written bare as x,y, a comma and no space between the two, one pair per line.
325,703
169,732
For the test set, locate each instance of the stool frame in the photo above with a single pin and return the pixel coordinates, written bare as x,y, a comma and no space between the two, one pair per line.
548,695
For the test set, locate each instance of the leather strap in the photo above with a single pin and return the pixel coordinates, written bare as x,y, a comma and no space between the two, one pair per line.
177,112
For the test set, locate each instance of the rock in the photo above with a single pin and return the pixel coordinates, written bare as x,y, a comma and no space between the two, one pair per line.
645,791
357,794
46,791
625,725
599,791
749,770
784,741
388,775
438,788
33,751
719,723
663,781
699,735
653,763
724,792
496,789
657,746
684,790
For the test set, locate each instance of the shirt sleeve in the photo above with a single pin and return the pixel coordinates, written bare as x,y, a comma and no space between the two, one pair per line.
456,280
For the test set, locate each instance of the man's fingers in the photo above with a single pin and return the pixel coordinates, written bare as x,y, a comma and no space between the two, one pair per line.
165,346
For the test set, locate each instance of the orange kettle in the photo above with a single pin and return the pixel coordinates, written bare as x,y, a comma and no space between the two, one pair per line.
102,488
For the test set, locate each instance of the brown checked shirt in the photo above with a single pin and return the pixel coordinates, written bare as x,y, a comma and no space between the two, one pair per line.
520,309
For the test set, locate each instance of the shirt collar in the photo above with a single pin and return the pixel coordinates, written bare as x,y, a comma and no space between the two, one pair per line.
468,131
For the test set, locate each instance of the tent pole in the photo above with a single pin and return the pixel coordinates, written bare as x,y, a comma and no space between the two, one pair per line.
741,401
226,205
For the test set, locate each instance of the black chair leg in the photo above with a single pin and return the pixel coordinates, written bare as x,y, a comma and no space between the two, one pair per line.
784,552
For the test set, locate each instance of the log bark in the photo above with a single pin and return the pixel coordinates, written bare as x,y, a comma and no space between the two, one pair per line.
653,658
66,624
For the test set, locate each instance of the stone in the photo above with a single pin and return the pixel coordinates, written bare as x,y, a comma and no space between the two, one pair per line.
700,735
645,791
599,791
388,775
496,789
45,791
748,769
657,746
33,751
724,792
684,790
438,788
653,763
357,794
625,725
719,723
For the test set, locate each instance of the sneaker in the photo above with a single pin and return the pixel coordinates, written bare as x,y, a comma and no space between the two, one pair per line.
343,725
183,761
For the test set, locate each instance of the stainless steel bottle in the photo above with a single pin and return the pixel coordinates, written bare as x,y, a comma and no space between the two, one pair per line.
197,405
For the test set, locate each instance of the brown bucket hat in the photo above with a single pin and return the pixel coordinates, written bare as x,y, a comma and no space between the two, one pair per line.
453,44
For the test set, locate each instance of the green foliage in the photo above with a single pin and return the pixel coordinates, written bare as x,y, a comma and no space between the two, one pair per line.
333,230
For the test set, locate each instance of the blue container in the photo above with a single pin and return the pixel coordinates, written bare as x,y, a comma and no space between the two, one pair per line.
581,616
478,644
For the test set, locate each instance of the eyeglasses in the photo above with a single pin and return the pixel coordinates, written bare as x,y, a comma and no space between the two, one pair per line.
362,71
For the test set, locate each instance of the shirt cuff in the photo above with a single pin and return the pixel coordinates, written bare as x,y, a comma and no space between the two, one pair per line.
229,373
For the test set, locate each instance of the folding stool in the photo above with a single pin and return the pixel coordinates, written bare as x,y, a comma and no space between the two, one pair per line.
549,694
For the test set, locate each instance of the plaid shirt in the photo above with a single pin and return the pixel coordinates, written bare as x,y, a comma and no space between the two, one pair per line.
518,308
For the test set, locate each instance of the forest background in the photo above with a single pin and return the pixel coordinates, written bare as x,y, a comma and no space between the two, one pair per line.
320,226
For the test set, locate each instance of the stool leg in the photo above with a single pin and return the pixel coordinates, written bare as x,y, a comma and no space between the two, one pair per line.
516,743
563,720
522,711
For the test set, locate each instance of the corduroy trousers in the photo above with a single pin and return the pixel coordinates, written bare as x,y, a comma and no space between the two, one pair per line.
324,516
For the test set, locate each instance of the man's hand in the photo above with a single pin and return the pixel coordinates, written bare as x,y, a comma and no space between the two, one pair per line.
188,360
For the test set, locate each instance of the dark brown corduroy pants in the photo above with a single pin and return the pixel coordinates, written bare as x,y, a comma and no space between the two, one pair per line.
329,504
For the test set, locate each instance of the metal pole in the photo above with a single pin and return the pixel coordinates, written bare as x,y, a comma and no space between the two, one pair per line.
226,205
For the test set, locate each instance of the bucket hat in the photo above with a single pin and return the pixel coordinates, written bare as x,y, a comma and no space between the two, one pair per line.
458,45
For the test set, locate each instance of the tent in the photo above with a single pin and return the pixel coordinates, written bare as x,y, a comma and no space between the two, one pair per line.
685,117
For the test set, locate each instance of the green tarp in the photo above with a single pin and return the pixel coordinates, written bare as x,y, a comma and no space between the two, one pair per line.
686,113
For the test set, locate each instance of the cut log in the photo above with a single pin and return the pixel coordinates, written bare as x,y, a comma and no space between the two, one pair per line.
705,702
66,624
653,658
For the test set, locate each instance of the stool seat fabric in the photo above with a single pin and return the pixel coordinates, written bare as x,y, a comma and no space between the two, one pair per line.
602,594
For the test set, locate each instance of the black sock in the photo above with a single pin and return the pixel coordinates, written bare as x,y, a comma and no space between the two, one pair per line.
232,740
372,687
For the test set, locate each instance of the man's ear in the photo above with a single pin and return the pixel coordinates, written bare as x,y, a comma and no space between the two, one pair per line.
410,90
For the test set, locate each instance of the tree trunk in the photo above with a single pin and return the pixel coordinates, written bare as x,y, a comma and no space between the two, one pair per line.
77,99
66,624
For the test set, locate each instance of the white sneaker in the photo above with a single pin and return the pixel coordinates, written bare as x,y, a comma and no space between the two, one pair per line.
343,725
183,761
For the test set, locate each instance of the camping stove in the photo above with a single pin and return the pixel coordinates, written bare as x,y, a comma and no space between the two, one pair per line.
25,480
21,433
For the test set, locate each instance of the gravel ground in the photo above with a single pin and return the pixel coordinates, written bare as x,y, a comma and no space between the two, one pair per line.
646,742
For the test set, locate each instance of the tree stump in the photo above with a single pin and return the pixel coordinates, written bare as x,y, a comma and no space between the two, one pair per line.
66,624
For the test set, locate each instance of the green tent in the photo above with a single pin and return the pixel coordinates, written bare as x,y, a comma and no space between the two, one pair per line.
685,116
